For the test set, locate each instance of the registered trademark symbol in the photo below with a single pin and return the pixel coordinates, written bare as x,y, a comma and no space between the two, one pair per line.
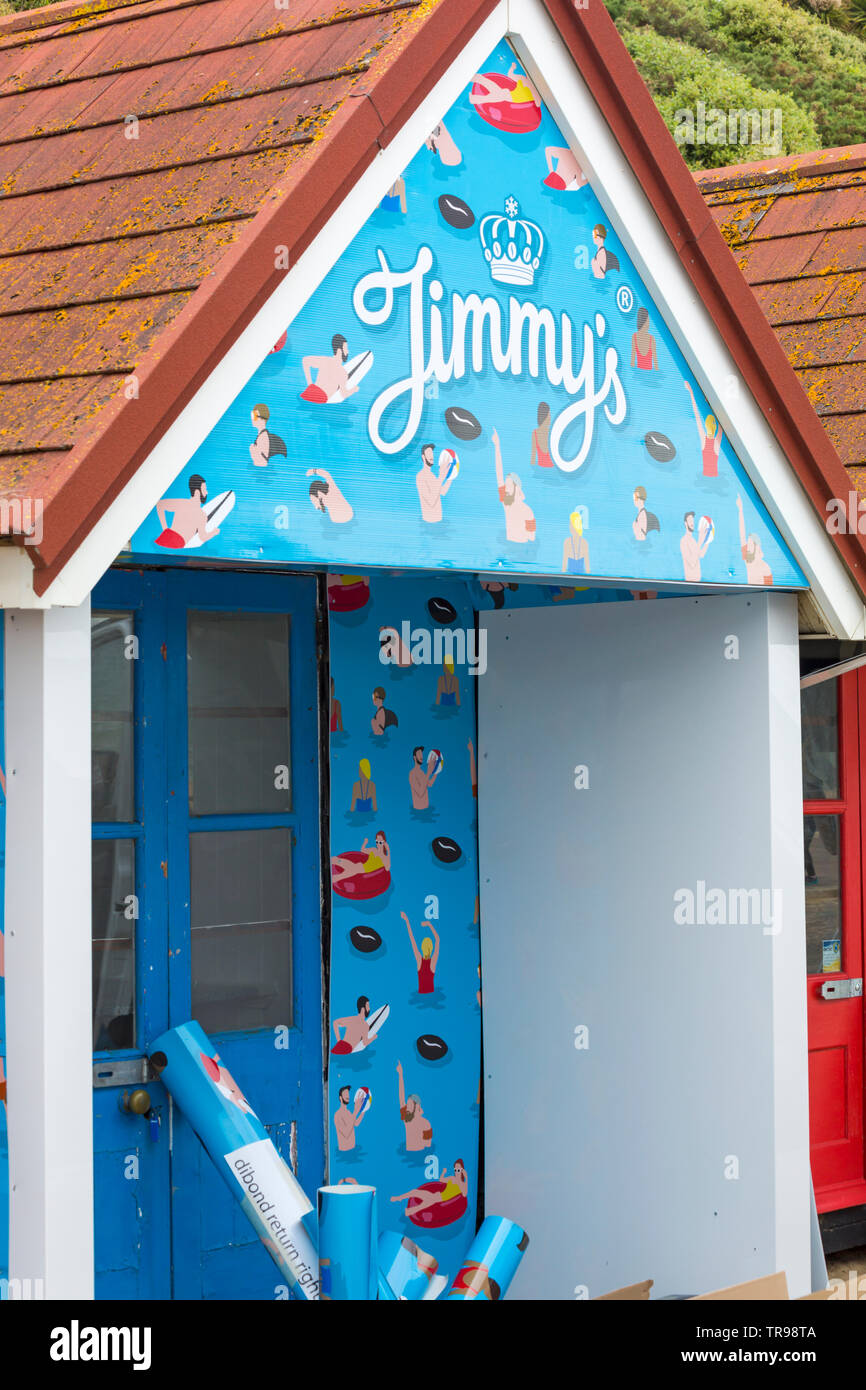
624,299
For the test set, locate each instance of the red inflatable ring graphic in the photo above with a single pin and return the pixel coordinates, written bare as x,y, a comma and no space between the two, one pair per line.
514,117
361,885
441,1213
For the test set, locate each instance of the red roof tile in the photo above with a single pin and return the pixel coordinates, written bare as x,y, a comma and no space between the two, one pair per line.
797,228
153,152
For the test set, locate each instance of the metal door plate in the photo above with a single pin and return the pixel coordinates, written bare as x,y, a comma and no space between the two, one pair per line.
841,989
126,1071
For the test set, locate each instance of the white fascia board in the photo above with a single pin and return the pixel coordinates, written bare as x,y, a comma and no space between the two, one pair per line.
541,49
552,68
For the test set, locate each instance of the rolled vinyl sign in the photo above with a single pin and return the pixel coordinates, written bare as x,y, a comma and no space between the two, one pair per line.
236,1140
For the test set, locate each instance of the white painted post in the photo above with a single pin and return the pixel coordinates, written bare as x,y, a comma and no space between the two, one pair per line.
48,930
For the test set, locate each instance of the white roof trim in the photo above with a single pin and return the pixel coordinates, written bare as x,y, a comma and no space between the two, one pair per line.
541,49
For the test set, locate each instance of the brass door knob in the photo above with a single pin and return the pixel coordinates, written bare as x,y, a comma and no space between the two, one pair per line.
136,1102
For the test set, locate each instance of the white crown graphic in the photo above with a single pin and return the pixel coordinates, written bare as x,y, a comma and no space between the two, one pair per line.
512,247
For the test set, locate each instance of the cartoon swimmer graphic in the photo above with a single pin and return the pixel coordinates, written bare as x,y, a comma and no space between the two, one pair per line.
563,171
449,1192
384,718
431,486
710,436
266,444
448,686
575,547
441,143
346,1121
427,958
693,548
419,1131
362,873
603,260
645,521
643,345
327,497
393,651
194,520
336,377
359,1029
519,517
474,1281
336,721
421,779
507,101
540,439
364,790
225,1083
395,199
757,569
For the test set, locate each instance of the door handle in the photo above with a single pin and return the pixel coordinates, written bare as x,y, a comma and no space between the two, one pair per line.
841,989
136,1102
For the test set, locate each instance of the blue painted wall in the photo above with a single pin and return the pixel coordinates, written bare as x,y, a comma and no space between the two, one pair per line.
475,253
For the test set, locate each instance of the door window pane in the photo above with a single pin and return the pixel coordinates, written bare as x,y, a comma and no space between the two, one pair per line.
819,712
823,895
114,912
241,931
238,665
111,719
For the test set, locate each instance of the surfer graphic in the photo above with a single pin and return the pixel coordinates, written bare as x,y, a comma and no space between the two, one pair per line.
265,445
419,1131
327,497
563,171
360,1029
346,1121
336,377
422,1197
432,487
331,375
189,520
356,1032
710,436
519,517
448,686
427,958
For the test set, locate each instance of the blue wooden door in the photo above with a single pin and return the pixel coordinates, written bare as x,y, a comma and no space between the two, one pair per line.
206,906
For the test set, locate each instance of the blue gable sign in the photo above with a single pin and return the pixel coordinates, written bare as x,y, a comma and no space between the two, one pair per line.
480,383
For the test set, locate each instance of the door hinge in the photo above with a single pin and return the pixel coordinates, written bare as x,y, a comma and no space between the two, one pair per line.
293,1147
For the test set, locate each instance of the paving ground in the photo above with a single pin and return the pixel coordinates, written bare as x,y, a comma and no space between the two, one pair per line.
850,1267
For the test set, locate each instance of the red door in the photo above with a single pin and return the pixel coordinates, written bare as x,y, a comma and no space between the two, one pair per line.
833,714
